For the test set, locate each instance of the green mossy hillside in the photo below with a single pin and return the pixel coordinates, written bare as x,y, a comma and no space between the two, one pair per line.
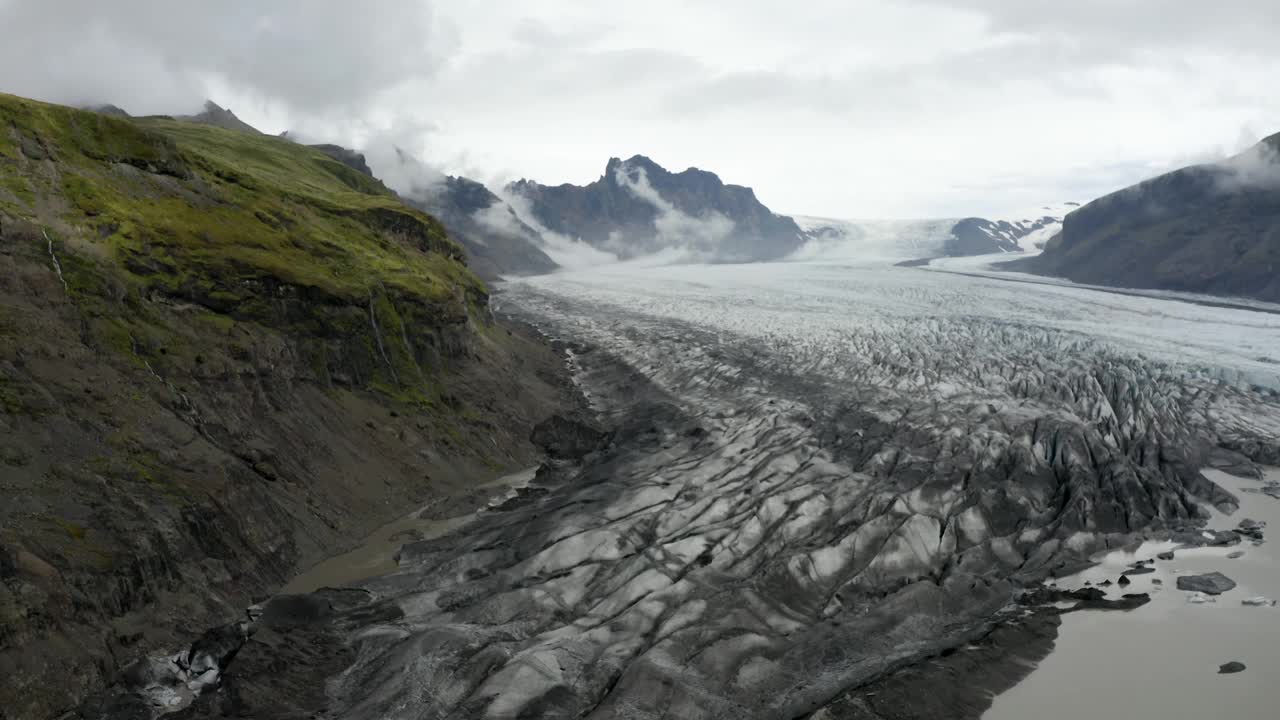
250,227
194,199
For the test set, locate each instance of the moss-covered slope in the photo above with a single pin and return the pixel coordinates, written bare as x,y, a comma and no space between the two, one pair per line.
223,356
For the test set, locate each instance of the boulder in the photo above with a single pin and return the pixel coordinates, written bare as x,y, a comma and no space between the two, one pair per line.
1214,583
1251,529
1231,668
1130,601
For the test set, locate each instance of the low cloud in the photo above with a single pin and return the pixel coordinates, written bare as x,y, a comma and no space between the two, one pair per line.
569,253
1256,168
399,168
674,228
156,56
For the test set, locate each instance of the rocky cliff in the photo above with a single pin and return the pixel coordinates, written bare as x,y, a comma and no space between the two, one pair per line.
639,208
223,357
1207,228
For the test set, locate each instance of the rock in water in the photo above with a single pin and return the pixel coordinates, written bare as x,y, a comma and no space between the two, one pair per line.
1251,529
1124,581
1231,668
1166,555
1258,602
1236,555
1214,583
1140,570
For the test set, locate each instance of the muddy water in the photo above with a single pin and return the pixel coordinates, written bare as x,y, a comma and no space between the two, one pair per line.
1161,661
376,555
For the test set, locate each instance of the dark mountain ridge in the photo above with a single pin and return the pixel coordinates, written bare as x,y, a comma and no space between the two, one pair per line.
1212,228
637,207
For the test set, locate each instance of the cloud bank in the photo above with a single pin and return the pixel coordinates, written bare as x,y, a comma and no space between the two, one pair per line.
835,108
156,56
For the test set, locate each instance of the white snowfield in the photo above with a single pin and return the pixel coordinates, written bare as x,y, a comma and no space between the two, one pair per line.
870,239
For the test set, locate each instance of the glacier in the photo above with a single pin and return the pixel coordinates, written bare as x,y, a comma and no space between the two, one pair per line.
809,476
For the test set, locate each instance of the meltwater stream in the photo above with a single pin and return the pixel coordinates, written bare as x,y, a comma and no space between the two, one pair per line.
1161,661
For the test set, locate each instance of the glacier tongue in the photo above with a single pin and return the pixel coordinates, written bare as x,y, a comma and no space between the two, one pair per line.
817,474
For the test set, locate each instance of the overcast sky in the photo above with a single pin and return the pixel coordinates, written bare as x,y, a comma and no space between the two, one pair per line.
843,108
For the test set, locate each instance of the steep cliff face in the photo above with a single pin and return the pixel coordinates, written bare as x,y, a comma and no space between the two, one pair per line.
639,208
1208,229
223,356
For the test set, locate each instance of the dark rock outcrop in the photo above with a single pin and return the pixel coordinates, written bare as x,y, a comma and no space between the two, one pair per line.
1211,229
1214,583
107,109
638,208
218,116
346,156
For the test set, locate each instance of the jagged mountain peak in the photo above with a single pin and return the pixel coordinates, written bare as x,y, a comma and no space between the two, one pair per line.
638,207
658,174
215,114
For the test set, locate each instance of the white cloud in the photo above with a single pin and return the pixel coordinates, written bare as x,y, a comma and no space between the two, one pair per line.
845,108
569,253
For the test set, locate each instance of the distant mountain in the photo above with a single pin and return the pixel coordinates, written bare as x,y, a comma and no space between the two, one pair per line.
639,208
219,117
1211,228
980,236
913,239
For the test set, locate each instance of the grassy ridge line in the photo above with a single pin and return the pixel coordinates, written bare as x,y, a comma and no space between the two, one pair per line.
194,210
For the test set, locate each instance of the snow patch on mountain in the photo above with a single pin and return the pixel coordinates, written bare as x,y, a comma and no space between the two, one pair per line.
841,239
